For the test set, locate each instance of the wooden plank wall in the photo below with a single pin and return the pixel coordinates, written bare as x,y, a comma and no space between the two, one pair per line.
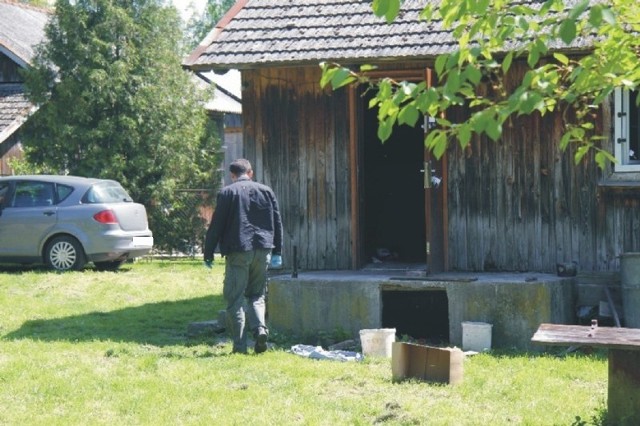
297,137
520,204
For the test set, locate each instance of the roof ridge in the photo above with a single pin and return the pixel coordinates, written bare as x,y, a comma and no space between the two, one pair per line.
265,33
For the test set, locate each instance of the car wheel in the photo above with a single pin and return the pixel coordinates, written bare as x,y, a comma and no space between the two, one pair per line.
64,254
108,266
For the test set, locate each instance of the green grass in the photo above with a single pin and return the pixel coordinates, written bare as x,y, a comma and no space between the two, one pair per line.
93,348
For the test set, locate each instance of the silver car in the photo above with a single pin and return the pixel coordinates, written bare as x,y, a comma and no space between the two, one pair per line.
67,221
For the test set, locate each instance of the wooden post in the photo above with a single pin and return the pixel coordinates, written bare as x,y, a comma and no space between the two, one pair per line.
623,345
624,387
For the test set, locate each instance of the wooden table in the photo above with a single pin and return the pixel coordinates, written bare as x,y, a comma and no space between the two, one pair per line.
623,344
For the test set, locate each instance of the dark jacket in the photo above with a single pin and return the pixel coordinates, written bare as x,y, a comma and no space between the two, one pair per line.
246,218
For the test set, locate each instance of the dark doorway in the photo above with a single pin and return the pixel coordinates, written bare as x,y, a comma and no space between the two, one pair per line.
420,314
393,204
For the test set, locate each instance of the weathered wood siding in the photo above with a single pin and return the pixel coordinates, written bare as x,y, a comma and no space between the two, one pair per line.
520,204
297,137
618,226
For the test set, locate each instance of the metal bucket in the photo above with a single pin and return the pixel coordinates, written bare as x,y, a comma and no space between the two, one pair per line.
630,283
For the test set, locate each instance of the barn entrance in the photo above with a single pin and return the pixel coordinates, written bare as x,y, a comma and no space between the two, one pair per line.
393,206
420,314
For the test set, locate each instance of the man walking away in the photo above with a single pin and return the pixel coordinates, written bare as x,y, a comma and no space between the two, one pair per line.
247,225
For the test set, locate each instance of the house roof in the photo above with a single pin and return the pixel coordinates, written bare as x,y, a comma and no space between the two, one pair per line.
261,33
14,108
21,29
227,96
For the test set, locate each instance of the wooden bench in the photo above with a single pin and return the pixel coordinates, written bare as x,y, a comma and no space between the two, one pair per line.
623,345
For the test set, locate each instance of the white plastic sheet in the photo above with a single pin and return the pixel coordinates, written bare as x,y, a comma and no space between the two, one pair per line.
316,352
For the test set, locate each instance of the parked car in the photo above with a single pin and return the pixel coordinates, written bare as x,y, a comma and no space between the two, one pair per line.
67,221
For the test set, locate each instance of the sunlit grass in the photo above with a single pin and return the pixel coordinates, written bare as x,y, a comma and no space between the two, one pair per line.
111,348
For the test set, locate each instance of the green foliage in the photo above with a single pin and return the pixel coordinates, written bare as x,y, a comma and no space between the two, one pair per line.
199,26
555,81
115,102
387,8
180,226
21,166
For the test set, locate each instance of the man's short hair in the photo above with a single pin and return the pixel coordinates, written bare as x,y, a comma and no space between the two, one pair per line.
240,167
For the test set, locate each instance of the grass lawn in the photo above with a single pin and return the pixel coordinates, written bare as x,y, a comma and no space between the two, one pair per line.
93,348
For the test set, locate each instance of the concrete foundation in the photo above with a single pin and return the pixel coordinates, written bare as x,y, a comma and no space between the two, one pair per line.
348,301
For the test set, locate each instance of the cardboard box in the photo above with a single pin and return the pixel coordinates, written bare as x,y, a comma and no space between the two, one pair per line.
443,365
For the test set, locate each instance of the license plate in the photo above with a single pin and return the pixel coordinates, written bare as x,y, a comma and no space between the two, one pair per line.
143,241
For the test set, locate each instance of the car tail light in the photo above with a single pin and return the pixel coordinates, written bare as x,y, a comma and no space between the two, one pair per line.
106,216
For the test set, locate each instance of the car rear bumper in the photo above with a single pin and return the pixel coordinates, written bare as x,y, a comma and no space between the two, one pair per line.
116,247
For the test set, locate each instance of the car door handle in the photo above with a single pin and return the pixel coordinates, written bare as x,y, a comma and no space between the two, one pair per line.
48,213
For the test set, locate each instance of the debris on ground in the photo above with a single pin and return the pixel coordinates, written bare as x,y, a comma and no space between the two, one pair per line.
346,345
316,352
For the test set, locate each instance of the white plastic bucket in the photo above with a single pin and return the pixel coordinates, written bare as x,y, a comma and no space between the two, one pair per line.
377,341
476,336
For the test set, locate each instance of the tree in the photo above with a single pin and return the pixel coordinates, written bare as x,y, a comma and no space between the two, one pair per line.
492,35
114,102
199,26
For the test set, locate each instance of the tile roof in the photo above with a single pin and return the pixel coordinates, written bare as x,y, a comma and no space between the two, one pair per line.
257,33
14,108
21,29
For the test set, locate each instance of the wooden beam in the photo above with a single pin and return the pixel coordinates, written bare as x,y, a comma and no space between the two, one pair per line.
353,179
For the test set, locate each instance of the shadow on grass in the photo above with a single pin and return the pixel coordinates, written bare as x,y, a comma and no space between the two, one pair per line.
158,324
550,351
19,268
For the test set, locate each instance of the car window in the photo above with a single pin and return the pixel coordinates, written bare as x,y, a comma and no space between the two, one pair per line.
4,191
63,191
33,194
106,192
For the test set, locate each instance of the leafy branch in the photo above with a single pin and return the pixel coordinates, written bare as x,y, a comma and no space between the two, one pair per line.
477,74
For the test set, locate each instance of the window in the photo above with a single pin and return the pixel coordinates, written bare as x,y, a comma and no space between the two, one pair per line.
4,190
33,194
63,192
106,192
626,132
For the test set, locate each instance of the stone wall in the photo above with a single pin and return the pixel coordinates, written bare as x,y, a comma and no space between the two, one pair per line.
515,304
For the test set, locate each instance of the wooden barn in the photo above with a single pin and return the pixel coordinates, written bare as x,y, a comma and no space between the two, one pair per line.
21,29
519,204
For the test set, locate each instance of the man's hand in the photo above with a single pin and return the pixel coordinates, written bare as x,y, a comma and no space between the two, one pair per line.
276,261
208,264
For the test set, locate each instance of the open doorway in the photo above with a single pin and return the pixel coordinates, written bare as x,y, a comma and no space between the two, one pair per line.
419,314
393,205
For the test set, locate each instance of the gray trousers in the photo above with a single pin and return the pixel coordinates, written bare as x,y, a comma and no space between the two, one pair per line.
245,278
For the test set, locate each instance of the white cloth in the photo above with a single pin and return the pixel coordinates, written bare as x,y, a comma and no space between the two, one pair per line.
316,352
